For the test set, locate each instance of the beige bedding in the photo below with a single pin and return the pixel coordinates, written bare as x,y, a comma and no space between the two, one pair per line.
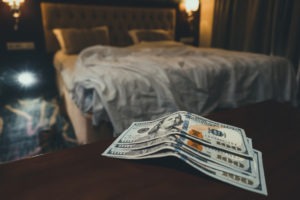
63,63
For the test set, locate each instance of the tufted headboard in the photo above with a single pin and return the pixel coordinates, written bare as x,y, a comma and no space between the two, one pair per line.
118,19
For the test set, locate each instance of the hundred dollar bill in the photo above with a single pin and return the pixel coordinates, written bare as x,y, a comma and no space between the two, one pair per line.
156,141
256,184
144,131
252,183
239,163
206,131
127,153
230,138
249,140
226,159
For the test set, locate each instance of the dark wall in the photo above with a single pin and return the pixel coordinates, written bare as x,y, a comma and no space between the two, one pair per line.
30,25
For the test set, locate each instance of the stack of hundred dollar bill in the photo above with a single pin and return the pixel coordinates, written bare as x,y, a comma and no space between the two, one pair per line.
217,150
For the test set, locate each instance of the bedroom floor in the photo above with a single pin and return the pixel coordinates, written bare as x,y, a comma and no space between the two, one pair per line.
32,124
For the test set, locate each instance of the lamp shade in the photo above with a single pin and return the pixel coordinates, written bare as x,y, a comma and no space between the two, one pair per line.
191,5
14,4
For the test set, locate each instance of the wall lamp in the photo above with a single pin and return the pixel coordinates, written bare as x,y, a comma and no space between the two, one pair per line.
191,6
190,9
15,6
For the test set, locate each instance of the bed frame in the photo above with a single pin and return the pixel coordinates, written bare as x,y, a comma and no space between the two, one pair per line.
119,20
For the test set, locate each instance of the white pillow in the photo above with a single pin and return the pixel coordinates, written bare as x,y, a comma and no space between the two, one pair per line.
150,35
73,40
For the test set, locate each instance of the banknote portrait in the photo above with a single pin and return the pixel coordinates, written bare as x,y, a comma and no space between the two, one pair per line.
167,124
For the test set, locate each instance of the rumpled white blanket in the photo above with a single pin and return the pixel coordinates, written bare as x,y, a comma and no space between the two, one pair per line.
145,81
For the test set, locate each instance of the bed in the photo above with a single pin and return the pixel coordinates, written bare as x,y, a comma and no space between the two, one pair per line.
107,86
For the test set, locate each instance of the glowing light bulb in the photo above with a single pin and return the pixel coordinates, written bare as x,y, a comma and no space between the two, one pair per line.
191,5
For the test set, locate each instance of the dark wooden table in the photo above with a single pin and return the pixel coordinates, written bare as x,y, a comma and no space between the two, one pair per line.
82,173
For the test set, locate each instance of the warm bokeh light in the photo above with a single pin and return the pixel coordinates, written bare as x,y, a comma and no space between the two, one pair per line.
15,7
14,4
191,5
206,22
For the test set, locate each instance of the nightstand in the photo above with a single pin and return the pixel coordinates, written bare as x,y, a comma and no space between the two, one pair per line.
26,74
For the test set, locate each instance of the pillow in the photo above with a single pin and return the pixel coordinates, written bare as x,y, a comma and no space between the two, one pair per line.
73,40
149,35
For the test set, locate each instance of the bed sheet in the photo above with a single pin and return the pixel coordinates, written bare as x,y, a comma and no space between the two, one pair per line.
145,81
65,68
